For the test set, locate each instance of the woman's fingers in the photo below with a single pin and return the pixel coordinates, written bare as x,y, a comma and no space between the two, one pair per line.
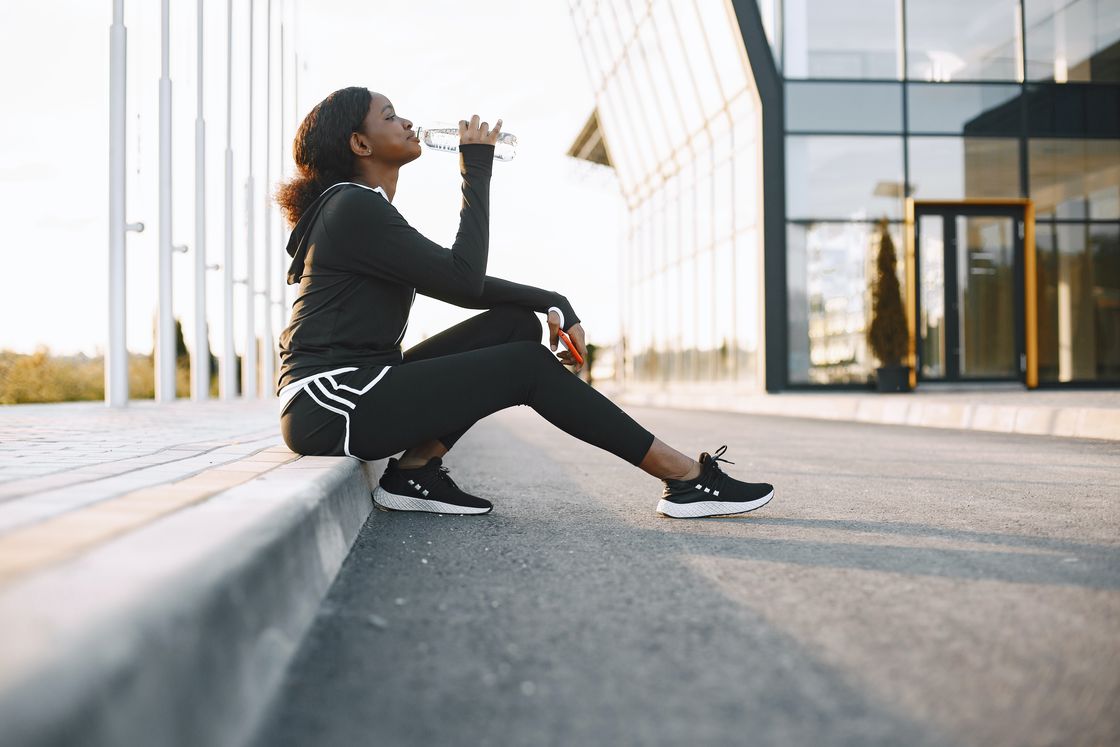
576,333
477,131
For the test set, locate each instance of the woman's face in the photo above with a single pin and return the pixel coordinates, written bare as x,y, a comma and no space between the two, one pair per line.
385,136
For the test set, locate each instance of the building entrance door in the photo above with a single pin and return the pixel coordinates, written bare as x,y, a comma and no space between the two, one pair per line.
969,300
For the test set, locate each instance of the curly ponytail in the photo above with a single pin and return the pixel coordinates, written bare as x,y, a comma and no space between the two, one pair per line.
321,149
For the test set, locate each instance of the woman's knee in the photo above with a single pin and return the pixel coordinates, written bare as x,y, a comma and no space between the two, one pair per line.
524,323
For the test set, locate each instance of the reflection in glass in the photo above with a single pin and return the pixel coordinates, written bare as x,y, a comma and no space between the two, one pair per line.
1078,301
931,296
830,266
843,177
1075,179
985,296
842,39
970,108
949,40
1073,40
953,168
844,107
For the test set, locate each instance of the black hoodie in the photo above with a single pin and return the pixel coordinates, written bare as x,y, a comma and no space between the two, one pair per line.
359,265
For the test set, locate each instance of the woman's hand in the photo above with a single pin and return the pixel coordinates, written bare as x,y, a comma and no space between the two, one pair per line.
578,339
474,132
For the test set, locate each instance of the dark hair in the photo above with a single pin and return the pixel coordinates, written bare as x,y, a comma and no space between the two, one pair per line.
321,149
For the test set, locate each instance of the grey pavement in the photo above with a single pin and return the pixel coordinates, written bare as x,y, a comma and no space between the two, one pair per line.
913,586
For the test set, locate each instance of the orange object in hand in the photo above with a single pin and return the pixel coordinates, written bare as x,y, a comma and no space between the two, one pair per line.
567,343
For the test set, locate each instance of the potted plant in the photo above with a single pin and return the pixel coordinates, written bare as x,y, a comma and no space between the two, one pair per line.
887,335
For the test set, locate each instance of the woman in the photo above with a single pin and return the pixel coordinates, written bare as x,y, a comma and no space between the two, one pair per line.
346,385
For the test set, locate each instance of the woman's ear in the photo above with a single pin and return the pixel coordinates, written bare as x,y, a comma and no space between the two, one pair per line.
358,145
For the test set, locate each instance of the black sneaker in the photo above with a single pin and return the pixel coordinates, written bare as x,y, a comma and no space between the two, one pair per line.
713,493
428,488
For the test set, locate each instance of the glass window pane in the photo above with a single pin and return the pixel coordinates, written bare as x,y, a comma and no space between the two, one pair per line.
724,215
704,77
953,168
1075,179
652,61
654,120
720,129
637,133
842,39
1073,41
723,303
746,185
616,37
843,177
675,61
748,298
723,45
829,268
704,201
844,107
1082,110
598,36
672,221
744,120
950,40
688,209
967,108
1078,301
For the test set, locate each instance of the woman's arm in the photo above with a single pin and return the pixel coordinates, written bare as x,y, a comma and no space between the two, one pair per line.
496,291
369,236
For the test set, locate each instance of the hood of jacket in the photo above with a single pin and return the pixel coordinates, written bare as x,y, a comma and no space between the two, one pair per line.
297,242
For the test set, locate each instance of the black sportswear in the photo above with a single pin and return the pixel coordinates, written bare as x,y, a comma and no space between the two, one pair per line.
359,265
349,389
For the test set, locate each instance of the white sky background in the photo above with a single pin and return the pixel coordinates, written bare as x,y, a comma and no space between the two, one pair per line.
552,224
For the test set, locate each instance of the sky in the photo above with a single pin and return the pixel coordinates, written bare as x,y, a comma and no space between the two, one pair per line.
555,223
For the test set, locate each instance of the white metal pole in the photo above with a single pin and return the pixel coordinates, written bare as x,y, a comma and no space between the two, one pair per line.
228,384
200,380
165,336
249,365
268,364
116,353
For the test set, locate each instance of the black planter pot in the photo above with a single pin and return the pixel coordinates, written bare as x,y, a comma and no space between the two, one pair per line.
893,379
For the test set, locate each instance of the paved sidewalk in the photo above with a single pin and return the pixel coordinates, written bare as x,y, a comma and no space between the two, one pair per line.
158,567
907,586
999,408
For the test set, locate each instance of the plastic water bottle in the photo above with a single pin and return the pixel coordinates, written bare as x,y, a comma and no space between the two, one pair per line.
445,137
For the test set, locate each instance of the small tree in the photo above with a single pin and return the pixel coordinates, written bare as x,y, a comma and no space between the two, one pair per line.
887,335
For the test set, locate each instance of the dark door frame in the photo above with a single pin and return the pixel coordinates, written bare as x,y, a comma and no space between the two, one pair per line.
1027,325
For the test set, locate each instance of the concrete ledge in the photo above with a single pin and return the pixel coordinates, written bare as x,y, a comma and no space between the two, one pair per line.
996,411
178,633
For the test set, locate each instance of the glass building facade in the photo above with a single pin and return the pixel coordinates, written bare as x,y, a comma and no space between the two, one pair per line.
759,143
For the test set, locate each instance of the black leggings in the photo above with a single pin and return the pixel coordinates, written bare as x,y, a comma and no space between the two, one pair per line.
448,382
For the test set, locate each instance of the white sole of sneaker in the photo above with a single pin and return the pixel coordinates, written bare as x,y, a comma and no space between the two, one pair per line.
385,499
700,509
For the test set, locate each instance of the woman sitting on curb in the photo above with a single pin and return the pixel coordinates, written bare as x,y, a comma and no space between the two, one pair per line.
346,385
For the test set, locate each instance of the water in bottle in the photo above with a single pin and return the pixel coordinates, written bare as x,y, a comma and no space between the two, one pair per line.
446,138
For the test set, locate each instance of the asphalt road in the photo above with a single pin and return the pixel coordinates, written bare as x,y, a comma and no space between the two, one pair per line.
906,586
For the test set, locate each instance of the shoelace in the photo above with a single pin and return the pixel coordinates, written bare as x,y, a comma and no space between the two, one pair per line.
444,474
716,476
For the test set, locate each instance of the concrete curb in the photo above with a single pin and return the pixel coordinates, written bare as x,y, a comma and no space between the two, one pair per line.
1038,420
179,633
